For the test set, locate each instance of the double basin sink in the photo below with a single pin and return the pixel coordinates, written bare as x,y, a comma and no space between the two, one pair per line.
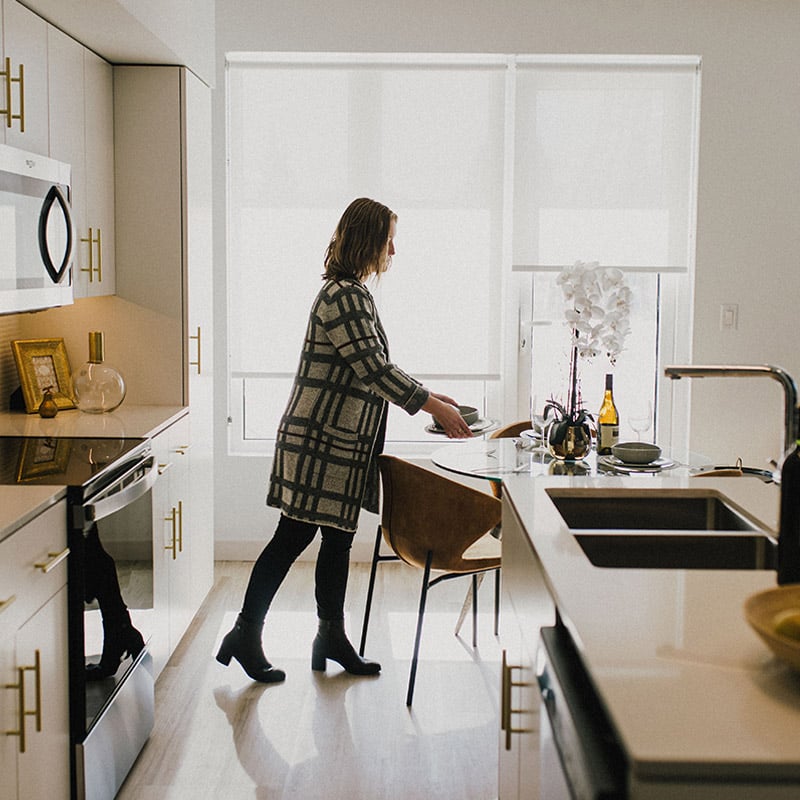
652,529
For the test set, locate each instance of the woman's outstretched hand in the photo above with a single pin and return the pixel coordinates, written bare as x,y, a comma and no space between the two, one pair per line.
445,411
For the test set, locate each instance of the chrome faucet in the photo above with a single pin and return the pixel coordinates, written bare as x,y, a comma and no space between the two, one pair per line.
791,419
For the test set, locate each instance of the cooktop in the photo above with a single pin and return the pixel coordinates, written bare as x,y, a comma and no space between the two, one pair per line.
62,461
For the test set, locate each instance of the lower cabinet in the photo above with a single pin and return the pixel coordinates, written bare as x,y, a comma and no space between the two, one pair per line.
34,701
526,607
182,542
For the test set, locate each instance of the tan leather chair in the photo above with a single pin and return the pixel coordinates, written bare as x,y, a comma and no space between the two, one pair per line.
437,525
512,429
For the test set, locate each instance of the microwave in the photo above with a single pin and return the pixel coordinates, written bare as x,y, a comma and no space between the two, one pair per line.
37,233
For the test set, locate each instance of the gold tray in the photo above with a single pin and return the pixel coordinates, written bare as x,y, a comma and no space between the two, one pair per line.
760,610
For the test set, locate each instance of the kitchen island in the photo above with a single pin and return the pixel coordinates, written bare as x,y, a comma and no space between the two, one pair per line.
696,701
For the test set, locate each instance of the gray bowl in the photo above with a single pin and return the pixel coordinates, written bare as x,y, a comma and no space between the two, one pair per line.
636,452
470,414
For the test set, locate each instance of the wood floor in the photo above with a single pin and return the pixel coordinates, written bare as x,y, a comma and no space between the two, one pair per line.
328,735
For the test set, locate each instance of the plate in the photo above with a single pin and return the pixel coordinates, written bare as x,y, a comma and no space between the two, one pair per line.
531,433
481,426
623,466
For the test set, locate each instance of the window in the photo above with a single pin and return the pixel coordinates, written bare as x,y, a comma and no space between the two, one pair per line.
494,164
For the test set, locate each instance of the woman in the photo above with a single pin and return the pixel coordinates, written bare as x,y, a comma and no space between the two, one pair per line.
325,467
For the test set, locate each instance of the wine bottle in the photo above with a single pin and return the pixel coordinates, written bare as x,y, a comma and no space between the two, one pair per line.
607,420
789,530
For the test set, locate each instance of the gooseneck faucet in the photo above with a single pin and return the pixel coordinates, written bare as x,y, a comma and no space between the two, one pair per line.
791,411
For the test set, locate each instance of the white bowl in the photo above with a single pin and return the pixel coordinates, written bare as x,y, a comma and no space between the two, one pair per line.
636,452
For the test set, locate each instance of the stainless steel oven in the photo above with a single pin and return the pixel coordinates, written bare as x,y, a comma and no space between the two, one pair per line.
581,758
36,232
109,485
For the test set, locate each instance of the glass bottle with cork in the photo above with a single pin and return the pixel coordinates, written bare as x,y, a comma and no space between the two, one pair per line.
607,420
98,386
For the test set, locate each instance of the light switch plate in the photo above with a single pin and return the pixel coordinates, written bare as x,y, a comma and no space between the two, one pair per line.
729,316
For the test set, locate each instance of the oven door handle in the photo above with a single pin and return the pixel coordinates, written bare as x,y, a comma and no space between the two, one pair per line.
113,501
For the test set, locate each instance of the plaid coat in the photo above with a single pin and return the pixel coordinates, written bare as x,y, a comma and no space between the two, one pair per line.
325,467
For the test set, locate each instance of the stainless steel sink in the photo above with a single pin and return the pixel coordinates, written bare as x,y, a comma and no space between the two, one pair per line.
649,510
653,529
680,551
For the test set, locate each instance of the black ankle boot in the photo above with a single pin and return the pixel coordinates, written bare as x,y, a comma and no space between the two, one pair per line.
243,643
119,641
331,642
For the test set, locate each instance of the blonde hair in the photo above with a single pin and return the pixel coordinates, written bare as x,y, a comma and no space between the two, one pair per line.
359,241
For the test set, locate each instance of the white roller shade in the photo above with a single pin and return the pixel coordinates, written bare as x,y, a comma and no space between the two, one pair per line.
604,162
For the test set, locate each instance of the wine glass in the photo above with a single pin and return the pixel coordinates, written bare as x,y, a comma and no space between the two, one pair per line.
640,418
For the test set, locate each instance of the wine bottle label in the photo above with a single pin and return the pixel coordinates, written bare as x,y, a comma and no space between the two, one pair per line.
607,438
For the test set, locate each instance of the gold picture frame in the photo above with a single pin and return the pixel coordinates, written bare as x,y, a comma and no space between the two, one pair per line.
43,363
43,456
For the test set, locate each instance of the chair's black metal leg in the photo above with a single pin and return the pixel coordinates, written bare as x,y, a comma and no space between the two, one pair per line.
368,607
422,598
474,611
497,602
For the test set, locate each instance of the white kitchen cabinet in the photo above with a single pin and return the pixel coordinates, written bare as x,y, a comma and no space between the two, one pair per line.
81,134
200,340
526,607
180,549
24,60
97,251
163,237
33,660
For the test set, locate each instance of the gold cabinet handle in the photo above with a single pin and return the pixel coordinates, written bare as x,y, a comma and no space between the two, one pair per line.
23,711
180,526
182,449
92,241
506,684
174,546
20,79
99,257
55,560
20,687
196,336
162,468
4,604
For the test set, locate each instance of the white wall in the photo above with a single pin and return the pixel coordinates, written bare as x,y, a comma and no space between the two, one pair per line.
748,235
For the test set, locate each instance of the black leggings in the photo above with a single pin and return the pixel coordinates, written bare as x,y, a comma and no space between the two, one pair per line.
290,539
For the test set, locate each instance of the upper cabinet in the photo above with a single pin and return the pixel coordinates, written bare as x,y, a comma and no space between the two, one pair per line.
23,79
81,126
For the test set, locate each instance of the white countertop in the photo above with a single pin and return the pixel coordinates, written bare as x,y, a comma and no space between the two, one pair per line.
125,421
688,685
20,504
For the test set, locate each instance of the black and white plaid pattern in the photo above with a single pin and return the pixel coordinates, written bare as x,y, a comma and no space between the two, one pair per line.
333,427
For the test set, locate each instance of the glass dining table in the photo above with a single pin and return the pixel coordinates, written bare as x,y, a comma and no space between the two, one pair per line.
495,459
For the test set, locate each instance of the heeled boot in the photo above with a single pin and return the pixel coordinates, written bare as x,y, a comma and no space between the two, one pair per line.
331,642
243,642
120,639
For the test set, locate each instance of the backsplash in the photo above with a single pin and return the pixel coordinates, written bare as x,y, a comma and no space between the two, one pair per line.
9,330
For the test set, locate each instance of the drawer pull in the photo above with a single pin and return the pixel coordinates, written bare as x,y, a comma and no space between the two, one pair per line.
4,604
55,560
173,518
24,712
182,449
505,709
162,468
